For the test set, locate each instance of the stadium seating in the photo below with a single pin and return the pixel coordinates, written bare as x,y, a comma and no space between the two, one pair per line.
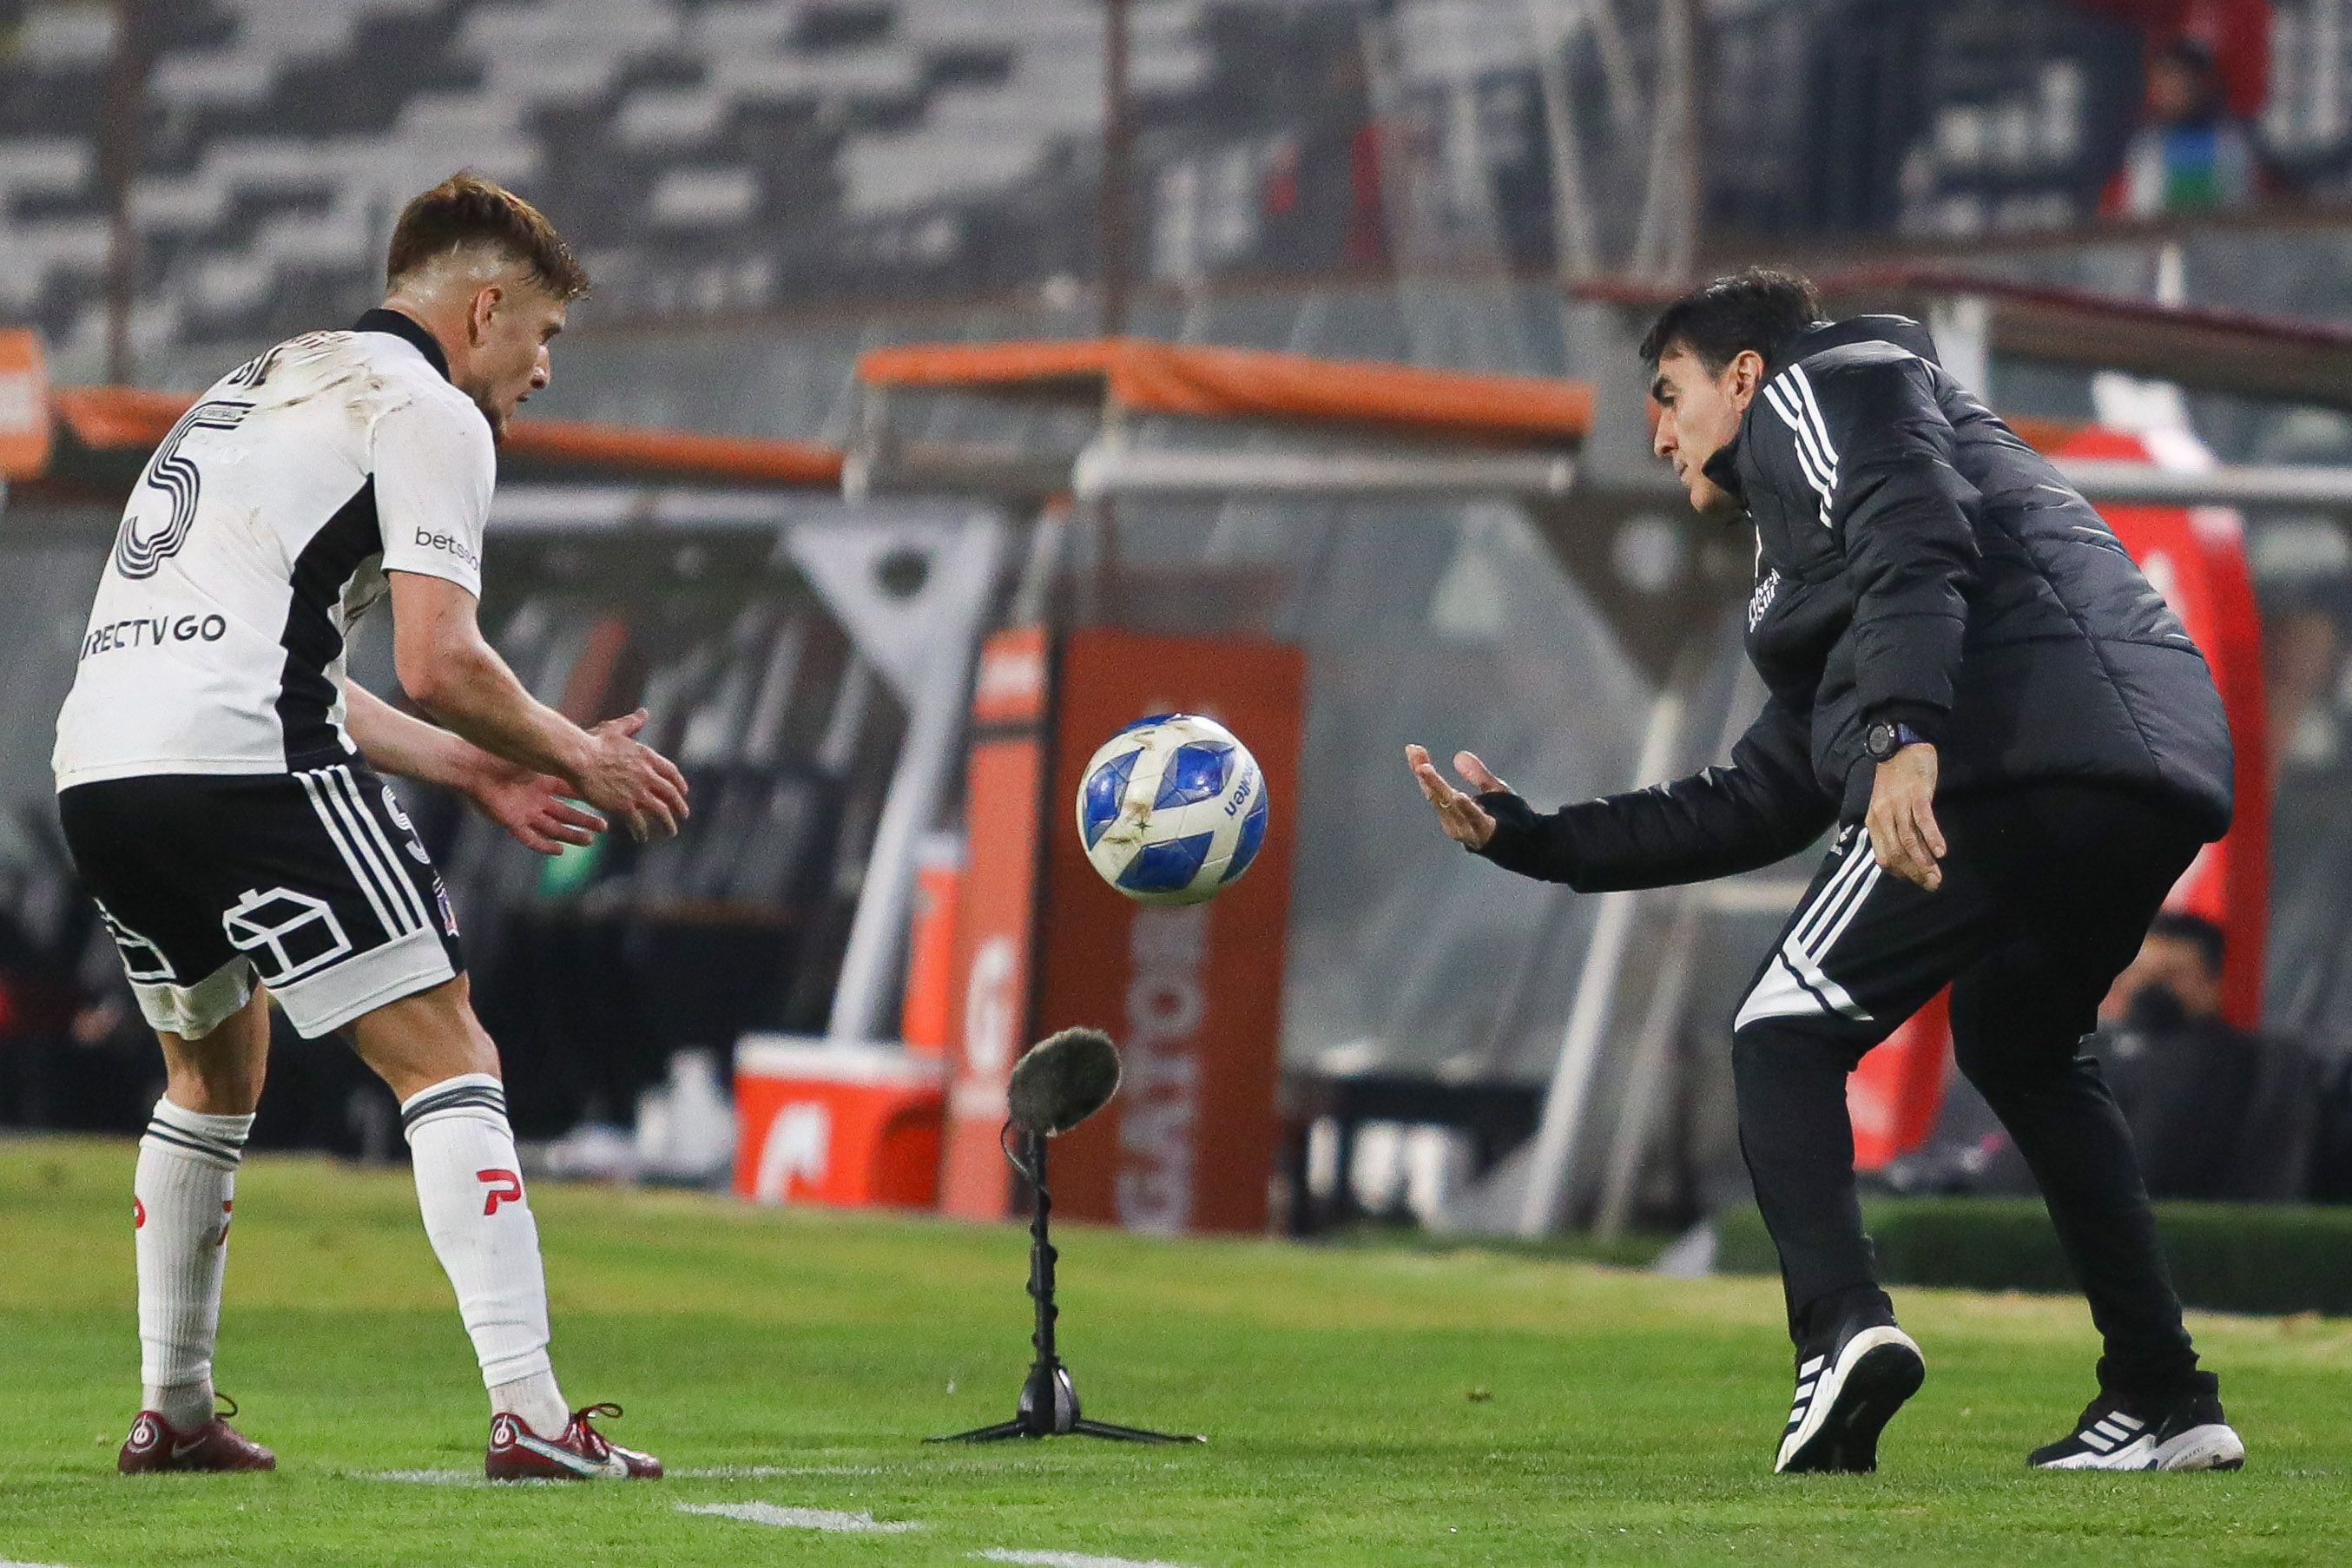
731,157
709,137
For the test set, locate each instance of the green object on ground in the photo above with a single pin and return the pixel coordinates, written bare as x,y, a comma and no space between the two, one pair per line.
2226,1257
1625,1419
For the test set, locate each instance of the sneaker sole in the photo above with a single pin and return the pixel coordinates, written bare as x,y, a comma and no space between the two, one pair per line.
1885,1369
2208,1448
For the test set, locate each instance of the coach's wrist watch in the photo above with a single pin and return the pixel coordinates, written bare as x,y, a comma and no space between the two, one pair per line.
1882,740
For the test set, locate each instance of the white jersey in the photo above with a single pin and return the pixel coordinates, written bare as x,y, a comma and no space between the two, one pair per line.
260,530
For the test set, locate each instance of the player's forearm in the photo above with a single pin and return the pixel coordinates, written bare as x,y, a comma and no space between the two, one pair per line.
397,742
472,690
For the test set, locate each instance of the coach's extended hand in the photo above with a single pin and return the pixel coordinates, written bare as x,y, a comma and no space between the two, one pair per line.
1902,819
1463,819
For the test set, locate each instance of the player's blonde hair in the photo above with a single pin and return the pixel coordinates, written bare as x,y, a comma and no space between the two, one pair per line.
467,211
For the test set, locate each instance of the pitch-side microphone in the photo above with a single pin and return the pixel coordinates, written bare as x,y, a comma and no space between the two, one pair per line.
1062,1080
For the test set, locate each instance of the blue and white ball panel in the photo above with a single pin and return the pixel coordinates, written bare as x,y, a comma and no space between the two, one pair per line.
1172,809
1195,771
1106,788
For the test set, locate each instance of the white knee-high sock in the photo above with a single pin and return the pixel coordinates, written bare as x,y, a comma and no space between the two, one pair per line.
180,1206
469,1186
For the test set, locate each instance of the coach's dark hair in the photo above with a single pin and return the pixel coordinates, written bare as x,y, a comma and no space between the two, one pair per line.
2198,931
467,210
1759,309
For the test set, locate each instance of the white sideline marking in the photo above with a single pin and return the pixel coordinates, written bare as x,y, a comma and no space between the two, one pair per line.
707,1473
798,1517
1070,1560
13,1564
762,1472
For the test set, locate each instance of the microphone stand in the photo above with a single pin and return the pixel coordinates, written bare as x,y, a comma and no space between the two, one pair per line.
1048,1407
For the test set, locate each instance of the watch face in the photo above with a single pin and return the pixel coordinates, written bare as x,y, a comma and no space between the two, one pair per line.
1879,742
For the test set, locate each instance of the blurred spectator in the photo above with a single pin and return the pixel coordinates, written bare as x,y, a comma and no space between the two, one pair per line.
1319,199
2217,1112
2235,35
2301,644
2193,151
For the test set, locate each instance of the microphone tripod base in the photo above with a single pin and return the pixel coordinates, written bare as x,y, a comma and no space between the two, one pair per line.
1049,1408
1049,1403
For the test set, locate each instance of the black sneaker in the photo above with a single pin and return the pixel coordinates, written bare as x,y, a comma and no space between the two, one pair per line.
2120,1433
1847,1390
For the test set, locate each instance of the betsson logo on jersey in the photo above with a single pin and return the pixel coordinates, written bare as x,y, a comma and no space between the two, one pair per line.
449,546
152,631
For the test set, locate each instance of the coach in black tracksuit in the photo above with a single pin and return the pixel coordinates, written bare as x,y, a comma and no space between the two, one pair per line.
2019,750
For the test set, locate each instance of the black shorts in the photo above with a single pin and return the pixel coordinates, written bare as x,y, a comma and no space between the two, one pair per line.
313,883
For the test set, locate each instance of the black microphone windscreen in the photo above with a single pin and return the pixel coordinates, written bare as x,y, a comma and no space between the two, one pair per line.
1062,1080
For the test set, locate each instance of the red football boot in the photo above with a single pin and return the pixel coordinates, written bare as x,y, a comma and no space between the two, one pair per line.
155,1447
581,1454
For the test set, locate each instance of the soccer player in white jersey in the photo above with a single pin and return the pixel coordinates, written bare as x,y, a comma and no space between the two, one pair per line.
217,784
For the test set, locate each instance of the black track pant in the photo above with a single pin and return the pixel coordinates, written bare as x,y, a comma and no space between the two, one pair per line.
2047,892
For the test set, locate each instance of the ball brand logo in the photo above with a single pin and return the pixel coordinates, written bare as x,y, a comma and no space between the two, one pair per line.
1166,1001
1242,793
506,1187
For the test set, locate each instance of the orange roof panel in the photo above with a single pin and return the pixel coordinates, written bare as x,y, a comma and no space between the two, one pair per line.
112,417
1210,382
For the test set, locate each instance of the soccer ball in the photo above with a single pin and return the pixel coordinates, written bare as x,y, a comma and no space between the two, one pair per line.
1172,809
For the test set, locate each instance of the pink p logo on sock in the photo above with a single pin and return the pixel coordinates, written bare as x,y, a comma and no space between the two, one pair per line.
506,1187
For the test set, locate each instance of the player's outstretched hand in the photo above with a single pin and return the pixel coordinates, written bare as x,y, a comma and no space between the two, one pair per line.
1462,818
531,807
628,779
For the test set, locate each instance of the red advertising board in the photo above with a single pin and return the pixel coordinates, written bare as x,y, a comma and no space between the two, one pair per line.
989,1001
2196,558
1193,994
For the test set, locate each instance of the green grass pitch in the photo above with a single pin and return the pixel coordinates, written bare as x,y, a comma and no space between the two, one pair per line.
1364,1405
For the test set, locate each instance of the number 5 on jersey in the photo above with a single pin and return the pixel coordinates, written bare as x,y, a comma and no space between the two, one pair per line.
141,547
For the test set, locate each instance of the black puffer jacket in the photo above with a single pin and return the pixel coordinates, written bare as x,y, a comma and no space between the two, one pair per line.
1918,562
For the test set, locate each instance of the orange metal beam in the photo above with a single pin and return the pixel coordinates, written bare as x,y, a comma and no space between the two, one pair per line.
1210,382
112,417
